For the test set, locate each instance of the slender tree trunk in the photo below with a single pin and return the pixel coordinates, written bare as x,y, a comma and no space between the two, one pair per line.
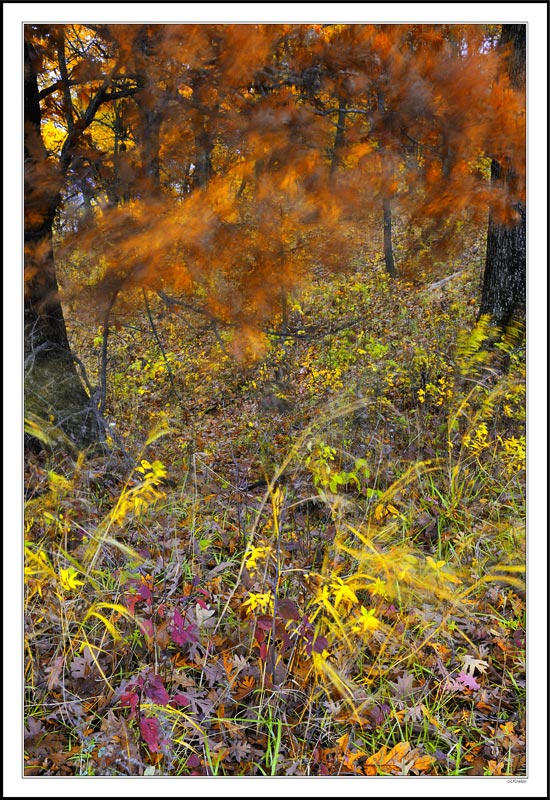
203,167
504,278
151,124
388,247
386,200
204,141
339,137
53,389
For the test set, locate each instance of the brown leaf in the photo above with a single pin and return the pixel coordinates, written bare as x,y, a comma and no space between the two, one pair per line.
55,671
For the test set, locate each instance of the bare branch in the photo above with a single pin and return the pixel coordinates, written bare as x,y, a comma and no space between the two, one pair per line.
161,346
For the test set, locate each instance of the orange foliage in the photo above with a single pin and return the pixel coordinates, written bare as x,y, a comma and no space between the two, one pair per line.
217,176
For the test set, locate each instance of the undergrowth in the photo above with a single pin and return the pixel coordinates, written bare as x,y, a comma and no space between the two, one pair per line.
314,564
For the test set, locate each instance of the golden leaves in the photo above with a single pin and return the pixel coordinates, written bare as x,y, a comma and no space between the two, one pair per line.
400,759
53,136
270,203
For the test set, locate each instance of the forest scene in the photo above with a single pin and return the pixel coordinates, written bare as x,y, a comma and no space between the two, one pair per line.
274,400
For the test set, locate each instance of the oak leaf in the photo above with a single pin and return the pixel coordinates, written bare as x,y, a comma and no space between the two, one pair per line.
387,760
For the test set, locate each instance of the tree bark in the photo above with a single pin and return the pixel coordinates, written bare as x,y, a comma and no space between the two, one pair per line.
388,246
339,136
204,141
504,278
54,391
151,125
386,199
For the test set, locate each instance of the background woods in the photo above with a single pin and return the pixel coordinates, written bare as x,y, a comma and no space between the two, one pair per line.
228,161
274,399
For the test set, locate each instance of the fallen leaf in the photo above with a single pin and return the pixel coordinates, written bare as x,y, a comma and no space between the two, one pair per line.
150,730
468,681
155,691
469,664
388,760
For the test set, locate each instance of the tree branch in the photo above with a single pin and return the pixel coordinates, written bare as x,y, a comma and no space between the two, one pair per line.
103,368
161,347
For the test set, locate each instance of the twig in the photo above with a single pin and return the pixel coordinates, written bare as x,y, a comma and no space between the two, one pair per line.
102,400
161,347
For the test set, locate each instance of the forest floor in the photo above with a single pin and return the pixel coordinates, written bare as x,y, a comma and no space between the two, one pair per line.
311,564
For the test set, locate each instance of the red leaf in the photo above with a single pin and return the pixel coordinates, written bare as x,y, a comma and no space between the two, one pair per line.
131,699
130,602
147,627
150,730
156,692
181,700
320,644
288,609
145,591
182,633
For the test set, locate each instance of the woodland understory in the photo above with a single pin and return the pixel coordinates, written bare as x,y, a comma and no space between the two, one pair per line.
315,565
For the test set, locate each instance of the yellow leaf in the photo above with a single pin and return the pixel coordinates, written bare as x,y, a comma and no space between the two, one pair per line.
423,763
389,760
398,752
68,579
385,758
508,728
434,564
53,136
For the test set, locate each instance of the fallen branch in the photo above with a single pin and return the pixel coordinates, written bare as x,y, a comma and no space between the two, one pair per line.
437,284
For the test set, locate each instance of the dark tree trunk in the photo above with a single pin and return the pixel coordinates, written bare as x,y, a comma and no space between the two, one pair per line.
204,141
504,278
203,167
388,247
151,124
54,391
338,137
386,200
503,293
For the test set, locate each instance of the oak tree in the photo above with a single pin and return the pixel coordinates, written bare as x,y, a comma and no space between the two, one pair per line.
504,278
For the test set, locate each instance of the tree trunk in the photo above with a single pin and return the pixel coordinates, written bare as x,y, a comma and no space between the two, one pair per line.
388,247
503,293
151,124
504,278
54,391
204,141
203,167
339,136
386,199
